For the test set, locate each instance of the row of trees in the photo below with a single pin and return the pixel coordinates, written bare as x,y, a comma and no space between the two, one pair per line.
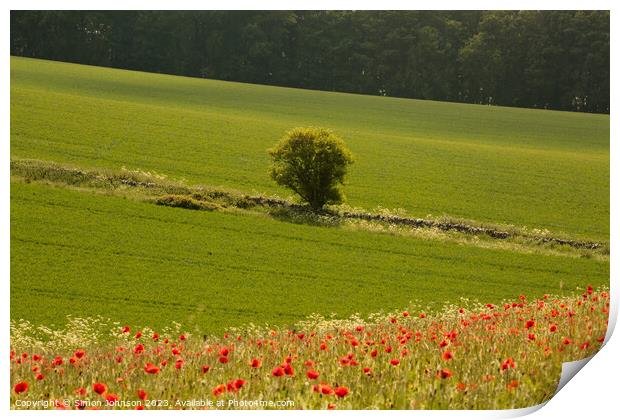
545,59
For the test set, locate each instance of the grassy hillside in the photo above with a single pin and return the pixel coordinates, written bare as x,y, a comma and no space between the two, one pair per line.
540,169
93,251
90,254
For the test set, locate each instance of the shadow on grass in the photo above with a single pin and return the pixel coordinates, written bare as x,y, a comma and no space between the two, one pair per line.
303,215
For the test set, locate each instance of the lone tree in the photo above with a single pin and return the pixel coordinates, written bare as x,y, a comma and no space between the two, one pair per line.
312,162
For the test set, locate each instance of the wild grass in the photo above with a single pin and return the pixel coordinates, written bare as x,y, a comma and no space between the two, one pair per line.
494,356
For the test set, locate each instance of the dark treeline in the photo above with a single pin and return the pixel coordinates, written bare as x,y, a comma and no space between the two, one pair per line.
543,59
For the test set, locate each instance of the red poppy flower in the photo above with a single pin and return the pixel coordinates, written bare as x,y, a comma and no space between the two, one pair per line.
176,351
125,329
513,384
39,377
218,390
99,388
312,374
553,328
447,355
142,394
21,387
288,369
224,351
36,357
374,353
151,368
422,315
205,368
394,362
277,371
111,398
238,383
255,363
443,343
326,390
79,353
155,336
405,314
139,349
529,323
367,371
460,386
531,336
445,373
223,359
508,363
80,391
182,337
139,334
341,391
179,363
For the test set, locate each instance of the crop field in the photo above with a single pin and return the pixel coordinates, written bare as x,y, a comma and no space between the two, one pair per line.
539,169
87,252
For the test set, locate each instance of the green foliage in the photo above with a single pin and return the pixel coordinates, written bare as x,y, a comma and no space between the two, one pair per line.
185,202
313,163
541,59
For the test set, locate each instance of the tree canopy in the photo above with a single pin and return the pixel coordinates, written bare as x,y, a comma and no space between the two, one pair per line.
312,162
541,59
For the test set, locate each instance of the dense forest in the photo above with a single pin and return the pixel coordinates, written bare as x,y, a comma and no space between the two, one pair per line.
541,59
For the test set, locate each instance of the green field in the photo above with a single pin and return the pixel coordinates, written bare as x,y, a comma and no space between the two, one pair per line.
541,169
85,254
88,254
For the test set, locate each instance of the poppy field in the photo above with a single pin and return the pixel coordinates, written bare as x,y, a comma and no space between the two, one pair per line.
122,298
480,356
